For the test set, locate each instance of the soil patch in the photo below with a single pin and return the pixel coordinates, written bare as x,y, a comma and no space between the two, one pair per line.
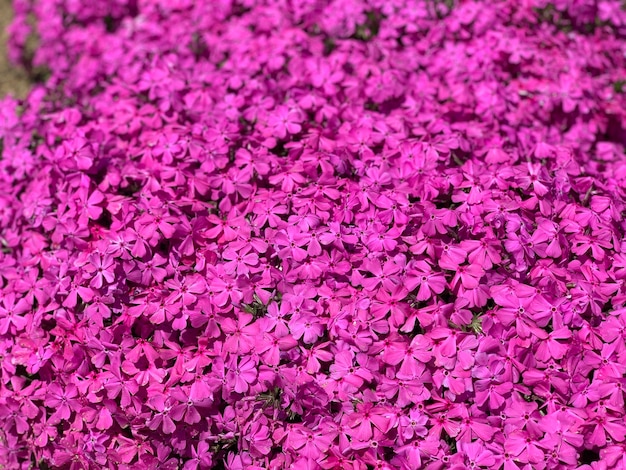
13,80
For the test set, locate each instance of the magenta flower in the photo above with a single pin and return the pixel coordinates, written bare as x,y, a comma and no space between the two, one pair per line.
314,234
605,426
551,348
310,444
162,419
242,333
291,242
383,274
524,448
157,219
413,424
259,440
241,374
102,269
63,400
390,303
429,282
12,312
344,368
201,457
411,358
490,387
239,262
338,235
284,121
44,432
367,418
306,327
187,411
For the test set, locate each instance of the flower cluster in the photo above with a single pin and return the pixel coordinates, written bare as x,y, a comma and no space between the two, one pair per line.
315,234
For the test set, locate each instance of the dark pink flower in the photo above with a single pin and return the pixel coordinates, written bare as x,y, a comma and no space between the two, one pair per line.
242,373
12,312
429,281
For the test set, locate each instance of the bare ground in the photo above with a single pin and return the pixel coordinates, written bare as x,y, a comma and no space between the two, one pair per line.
13,80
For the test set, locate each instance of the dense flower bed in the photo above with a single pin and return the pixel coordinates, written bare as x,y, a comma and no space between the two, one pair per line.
314,234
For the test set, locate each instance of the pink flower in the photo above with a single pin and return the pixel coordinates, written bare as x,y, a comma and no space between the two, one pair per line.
12,314
291,241
551,348
283,121
157,219
44,432
63,400
309,234
310,444
149,270
604,426
273,347
391,303
378,241
411,358
187,410
429,282
242,373
239,262
343,368
337,235
161,418
383,274
241,333
477,455
413,424
467,276
201,457
102,268
524,448
259,439
490,388
306,327
186,289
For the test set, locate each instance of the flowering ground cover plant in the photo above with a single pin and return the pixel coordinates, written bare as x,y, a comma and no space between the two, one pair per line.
315,234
